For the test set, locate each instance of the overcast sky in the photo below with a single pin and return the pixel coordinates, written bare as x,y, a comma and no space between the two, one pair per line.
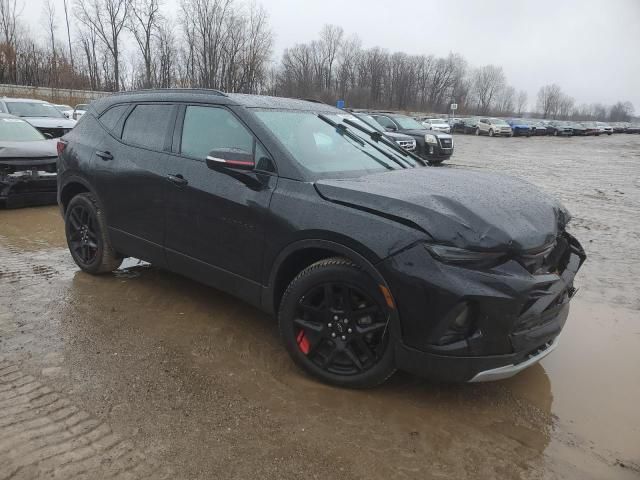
591,48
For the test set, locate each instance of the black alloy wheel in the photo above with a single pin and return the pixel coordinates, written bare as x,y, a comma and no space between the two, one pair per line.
335,324
83,240
86,231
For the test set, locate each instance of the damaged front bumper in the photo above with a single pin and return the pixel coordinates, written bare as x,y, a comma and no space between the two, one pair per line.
461,324
23,186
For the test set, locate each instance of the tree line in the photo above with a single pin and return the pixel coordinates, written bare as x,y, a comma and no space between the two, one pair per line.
115,45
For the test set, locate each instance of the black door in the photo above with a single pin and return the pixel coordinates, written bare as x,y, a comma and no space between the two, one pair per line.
132,179
215,220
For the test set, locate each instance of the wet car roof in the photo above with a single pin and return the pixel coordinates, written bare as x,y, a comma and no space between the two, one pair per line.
214,97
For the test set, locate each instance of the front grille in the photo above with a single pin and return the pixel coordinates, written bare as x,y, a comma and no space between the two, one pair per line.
407,144
54,132
446,142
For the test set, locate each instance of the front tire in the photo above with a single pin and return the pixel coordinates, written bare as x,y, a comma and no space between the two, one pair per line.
86,232
334,323
491,132
477,132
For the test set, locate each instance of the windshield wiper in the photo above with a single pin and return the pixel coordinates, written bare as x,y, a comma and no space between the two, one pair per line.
379,137
343,130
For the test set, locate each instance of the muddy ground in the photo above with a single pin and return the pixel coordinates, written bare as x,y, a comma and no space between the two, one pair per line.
144,374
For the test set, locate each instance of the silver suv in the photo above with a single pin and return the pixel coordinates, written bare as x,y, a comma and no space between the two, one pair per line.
493,127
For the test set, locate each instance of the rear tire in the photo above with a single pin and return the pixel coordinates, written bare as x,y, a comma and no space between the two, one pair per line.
478,132
86,232
334,323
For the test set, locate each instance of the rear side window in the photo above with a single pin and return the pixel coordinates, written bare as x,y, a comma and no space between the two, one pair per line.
209,128
111,117
147,126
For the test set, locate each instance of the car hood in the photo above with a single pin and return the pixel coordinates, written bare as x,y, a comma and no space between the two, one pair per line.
423,132
467,209
50,122
34,149
397,136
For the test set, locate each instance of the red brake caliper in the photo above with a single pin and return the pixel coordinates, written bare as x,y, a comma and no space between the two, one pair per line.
303,343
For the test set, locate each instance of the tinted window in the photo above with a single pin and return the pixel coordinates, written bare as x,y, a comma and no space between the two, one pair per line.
385,122
210,128
110,118
147,125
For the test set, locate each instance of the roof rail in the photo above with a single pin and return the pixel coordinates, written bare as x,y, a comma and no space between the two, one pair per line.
177,89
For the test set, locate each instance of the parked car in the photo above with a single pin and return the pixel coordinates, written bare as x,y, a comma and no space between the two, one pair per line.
578,128
437,124
468,125
369,263
79,110
66,110
405,141
632,128
42,115
604,128
27,164
538,128
494,127
591,129
519,127
559,128
435,147
619,127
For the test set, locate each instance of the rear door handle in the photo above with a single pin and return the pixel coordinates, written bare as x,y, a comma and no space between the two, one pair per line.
178,179
104,155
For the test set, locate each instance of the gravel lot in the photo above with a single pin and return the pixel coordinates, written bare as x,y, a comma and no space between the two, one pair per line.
144,374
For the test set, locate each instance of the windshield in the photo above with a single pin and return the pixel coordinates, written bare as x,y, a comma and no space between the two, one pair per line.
369,121
408,123
498,121
325,151
16,130
28,109
82,106
437,121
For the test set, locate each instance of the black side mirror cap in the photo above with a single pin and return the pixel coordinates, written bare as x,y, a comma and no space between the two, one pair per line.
230,158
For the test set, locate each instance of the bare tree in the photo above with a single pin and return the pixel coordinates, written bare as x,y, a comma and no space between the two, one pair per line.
521,102
621,112
50,24
106,18
9,15
330,42
143,24
487,83
549,98
66,19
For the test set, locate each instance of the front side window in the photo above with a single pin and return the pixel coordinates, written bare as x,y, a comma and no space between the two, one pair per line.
35,109
210,128
147,126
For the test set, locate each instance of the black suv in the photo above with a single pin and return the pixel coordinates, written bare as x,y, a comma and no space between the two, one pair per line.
370,260
434,147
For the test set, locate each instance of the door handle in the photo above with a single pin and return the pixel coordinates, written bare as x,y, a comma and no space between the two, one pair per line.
104,155
177,179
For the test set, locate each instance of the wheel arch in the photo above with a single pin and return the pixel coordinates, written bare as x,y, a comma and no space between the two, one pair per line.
72,186
297,256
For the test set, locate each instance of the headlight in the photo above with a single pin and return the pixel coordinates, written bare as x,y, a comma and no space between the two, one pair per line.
429,138
463,257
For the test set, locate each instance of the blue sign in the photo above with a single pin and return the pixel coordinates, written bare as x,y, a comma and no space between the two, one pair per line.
340,104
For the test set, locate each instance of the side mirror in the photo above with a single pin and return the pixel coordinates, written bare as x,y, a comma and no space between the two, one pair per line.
48,135
391,129
230,158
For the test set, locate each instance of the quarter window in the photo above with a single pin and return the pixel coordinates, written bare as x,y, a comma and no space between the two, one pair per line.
385,122
147,126
111,117
209,128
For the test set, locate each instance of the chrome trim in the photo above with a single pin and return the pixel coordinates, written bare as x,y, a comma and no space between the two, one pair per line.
508,371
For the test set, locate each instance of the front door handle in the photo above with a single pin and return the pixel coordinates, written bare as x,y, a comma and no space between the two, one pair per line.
104,155
177,179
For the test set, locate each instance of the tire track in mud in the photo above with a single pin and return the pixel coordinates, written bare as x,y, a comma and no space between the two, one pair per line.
42,434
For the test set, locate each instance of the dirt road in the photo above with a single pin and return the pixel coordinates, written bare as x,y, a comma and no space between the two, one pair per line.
144,374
